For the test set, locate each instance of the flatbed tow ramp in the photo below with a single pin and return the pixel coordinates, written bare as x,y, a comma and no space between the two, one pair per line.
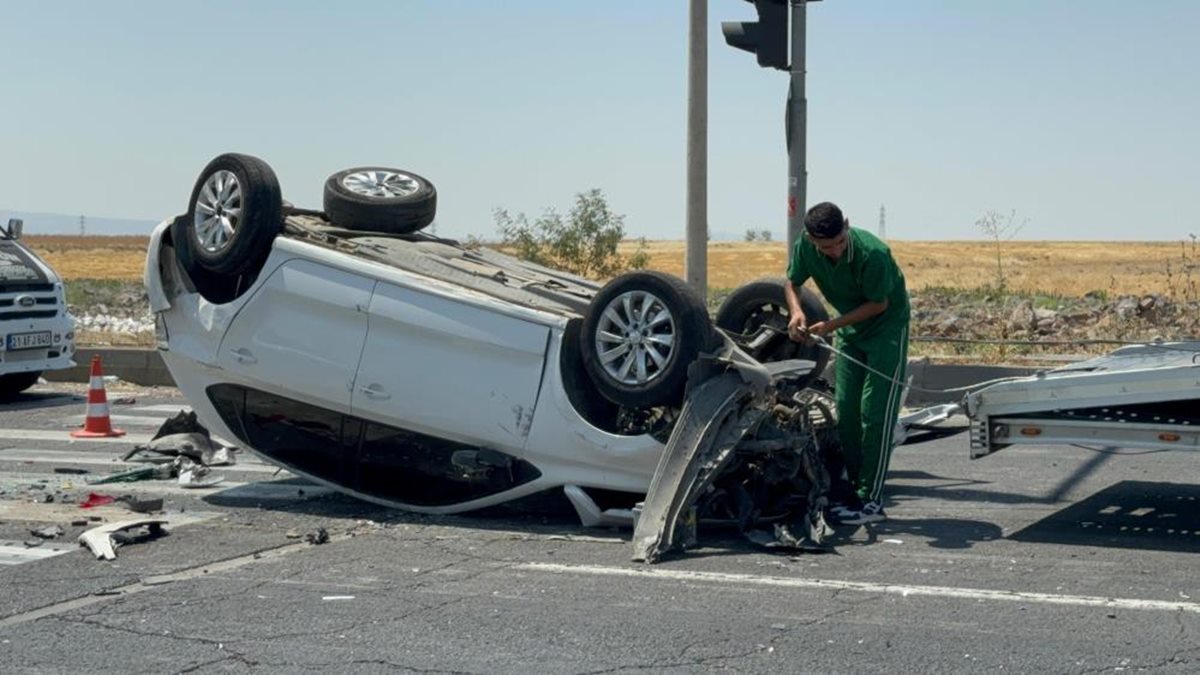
1142,396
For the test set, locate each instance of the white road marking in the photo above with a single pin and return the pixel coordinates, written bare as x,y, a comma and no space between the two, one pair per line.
261,491
118,420
172,409
245,461
16,552
64,436
866,587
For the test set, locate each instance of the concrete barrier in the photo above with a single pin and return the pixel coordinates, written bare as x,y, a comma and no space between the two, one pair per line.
940,376
146,367
136,365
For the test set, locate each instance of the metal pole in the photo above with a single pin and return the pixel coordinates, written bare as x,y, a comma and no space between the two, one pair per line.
797,124
696,264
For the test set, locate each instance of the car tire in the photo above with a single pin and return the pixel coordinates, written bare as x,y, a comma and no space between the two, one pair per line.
15,383
233,217
663,326
765,301
380,199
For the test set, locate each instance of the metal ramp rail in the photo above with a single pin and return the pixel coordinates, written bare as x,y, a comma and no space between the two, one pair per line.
1143,396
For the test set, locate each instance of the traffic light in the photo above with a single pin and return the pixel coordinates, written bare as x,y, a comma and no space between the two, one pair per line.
767,38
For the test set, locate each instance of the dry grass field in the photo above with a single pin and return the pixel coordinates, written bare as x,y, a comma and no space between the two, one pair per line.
108,258
1066,268
1058,268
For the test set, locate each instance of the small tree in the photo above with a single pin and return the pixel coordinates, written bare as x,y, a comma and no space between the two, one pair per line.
583,243
764,235
751,235
1000,228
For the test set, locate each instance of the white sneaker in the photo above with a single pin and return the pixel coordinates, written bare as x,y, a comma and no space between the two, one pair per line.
871,512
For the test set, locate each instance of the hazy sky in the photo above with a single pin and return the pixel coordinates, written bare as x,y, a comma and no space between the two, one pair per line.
1081,115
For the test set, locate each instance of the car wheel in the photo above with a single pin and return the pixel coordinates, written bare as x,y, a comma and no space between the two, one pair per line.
764,302
640,334
380,199
15,383
235,213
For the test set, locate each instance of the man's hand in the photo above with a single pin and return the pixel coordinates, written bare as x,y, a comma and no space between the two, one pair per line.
797,331
821,328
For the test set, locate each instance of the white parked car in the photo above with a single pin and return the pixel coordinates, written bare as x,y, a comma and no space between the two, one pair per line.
413,371
37,331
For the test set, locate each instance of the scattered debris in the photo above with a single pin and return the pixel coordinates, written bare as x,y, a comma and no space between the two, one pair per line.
141,505
783,538
196,475
893,541
96,499
33,543
103,540
49,532
79,522
124,400
183,422
317,538
70,470
193,445
293,534
181,448
131,475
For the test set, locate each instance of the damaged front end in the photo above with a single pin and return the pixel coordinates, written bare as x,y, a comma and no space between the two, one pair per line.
749,447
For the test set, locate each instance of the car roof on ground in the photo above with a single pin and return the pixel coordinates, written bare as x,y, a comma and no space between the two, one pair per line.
473,267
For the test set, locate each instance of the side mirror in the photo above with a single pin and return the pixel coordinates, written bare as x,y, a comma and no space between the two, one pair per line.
15,225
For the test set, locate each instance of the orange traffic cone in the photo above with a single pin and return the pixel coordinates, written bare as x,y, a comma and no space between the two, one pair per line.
97,424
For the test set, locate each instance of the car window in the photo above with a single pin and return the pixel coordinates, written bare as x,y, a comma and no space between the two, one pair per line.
374,459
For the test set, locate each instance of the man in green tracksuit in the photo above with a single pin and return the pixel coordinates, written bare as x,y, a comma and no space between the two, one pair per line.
857,274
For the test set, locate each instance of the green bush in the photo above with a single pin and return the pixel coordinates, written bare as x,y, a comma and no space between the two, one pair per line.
584,242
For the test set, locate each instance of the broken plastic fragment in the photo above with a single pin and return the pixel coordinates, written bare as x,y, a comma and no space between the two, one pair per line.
141,505
129,476
102,541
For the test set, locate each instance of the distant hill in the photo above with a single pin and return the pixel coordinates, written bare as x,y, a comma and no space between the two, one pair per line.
61,223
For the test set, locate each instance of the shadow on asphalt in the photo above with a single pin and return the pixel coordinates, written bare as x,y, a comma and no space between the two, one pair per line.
968,489
37,401
947,533
953,489
1129,514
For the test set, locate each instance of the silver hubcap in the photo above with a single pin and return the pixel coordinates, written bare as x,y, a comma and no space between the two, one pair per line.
380,183
218,211
635,338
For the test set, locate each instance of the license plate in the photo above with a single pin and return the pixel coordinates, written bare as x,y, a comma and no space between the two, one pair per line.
27,341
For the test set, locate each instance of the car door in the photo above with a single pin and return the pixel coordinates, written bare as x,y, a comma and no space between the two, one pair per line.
301,334
450,369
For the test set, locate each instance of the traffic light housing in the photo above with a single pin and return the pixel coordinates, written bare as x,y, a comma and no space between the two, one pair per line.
766,38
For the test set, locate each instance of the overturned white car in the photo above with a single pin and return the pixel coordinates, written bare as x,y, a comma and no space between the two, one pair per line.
350,347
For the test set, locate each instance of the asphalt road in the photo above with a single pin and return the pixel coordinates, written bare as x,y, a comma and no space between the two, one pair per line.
1049,559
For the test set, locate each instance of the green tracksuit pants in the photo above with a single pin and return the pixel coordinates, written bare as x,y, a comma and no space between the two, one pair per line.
868,405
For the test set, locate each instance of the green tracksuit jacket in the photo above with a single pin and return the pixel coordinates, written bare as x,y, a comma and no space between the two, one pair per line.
868,404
